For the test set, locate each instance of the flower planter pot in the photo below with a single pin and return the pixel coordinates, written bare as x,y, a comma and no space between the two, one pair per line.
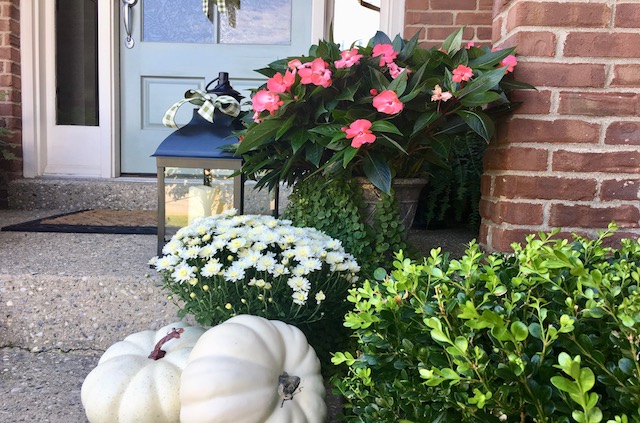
406,192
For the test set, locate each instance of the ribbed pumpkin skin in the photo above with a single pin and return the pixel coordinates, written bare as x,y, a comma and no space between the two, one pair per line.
232,375
126,386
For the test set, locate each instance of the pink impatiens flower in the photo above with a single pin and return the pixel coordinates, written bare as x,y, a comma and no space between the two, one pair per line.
359,132
294,64
266,100
386,53
394,70
387,102
510,61
438,94
349,58
462,73
470,44
316,73
281,84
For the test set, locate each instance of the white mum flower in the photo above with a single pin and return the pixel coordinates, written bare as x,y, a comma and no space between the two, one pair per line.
299,270
234,273
266,262
302,252
311,264
300,297
333,244
172,247
219,243
280,270
236,244
183,272
334,257
166,262
207,251
259,246
212,268
190,252
298,283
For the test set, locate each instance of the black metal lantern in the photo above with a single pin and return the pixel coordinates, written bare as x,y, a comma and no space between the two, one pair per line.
194,171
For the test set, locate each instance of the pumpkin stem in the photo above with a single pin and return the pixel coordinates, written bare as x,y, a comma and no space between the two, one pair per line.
288,387
157,353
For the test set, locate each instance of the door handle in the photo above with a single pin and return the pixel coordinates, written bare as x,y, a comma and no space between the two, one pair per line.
127,17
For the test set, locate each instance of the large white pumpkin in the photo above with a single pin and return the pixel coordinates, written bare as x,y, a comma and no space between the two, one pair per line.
128,386
236,374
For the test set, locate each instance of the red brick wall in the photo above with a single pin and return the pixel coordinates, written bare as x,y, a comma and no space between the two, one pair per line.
570,157
435,19
10,91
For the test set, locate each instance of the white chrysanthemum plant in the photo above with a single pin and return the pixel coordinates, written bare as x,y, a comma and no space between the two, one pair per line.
228,264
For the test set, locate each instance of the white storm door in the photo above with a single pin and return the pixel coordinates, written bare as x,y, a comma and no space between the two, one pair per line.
176,48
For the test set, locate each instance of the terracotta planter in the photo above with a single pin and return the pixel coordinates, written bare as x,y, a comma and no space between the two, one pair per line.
406,191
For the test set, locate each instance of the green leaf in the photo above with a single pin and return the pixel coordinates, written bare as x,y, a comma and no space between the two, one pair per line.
453,42
565,385
298,139
314,153
348,92
479,122
399,85
378,80
376,169
258,135
328,130
285,126
480,98
490,59
385,126
511,84
349,154
519,331
379,38
424,120
483,83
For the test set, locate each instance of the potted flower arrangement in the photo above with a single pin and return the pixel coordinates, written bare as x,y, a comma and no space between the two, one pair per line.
227,264
385,110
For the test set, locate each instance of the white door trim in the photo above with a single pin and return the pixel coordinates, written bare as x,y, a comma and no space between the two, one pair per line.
38,108
36,35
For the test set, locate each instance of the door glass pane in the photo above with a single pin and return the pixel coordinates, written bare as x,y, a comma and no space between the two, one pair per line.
345,32
175,21
256,22
76,43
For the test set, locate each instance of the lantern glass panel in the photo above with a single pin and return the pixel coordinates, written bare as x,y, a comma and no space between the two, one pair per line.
192,193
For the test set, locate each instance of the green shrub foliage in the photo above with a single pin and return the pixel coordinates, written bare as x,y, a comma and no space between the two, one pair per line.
452,196
550,333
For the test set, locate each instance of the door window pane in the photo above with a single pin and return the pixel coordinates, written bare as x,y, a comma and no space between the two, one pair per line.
256,22
76,35
175,21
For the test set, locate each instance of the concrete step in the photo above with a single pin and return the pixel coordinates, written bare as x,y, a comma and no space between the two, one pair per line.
130,193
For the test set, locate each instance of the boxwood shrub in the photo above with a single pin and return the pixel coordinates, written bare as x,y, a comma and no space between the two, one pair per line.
549,333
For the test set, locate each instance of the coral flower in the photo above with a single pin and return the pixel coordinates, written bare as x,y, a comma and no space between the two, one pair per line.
510,61
294,64
386,53
359,132
395,70
281,84
387,102
349,58
316,73
438,94
266,100
462,73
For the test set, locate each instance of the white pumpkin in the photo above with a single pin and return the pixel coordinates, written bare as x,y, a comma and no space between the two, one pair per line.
130,384
246,370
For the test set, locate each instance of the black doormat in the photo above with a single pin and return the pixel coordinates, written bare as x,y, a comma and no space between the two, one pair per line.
99,221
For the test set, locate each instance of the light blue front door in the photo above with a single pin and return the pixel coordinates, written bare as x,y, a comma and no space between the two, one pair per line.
175,47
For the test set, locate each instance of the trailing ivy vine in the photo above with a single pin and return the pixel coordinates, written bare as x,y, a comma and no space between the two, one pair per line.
336,208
